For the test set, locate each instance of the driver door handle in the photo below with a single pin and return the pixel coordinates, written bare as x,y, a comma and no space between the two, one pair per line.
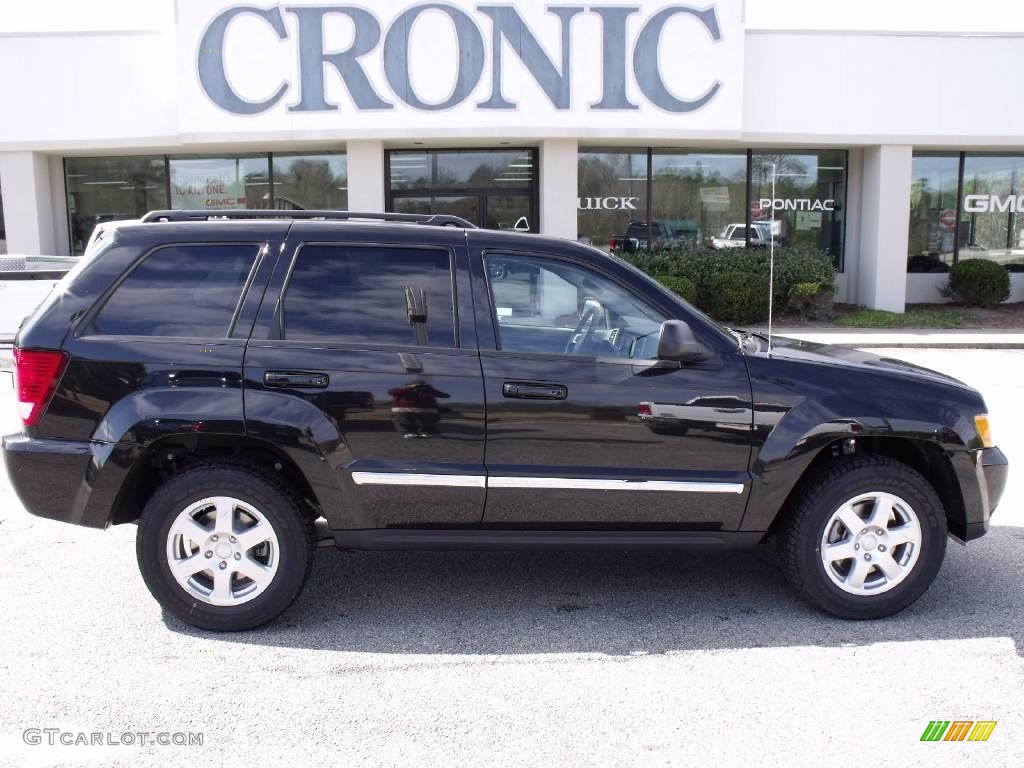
296,379
527,390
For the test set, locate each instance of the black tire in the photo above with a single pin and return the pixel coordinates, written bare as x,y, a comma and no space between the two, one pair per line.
278,504
823,493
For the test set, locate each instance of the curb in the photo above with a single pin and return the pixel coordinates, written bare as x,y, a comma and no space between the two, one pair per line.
932,345
907,339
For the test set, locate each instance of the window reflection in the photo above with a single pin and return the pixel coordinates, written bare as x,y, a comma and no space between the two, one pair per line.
461,169
992,206
371,295
186,290
810,198
103,189
219,183
933,207
697,197
612,203
310,182
3,232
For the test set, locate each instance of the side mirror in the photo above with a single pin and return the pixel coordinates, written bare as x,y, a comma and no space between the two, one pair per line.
677,342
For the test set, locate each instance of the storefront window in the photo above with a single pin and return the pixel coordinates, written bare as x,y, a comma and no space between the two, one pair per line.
216,183
992,224
611,210
933,207
310,182
809,201
696,196
459,169
492,188
3,232
111,188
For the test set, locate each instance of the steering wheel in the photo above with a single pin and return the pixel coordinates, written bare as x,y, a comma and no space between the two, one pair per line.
592,310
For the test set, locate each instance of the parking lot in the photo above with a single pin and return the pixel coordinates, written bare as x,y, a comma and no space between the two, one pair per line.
610,659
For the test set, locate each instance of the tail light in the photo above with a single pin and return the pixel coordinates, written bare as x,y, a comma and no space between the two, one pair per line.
36,373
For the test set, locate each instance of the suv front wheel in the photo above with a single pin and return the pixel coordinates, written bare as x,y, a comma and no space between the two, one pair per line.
224,547
865,537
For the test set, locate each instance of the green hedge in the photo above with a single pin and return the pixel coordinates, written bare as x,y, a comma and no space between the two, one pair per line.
681,286
979,283
712,271
739,297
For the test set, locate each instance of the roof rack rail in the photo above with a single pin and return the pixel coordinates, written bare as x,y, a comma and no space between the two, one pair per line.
432,220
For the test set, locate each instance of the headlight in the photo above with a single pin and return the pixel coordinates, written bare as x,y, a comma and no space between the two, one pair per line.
984,430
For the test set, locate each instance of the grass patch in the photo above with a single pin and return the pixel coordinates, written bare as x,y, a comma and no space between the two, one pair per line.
913,318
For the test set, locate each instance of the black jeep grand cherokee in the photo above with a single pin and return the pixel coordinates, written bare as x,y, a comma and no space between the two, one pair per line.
227,383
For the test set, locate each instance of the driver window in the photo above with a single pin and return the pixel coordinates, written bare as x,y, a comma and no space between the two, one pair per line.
547,305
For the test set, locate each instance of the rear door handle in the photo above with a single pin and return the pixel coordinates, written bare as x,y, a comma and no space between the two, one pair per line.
296,379
534,391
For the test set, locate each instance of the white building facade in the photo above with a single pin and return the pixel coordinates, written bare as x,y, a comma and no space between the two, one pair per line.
893,137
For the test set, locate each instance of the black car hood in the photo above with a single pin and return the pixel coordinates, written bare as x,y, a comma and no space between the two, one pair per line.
848,357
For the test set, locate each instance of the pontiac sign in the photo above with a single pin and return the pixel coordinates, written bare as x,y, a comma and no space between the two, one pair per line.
554,64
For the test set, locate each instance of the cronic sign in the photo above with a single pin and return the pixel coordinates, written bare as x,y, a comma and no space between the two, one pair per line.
374,59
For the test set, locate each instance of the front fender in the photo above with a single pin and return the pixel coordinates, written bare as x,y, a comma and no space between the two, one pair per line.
787,441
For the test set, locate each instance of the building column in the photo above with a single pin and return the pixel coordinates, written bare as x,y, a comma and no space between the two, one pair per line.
365,176
558,188
884,227
28,214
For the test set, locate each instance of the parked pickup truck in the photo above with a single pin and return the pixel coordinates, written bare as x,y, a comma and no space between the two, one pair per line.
735,236
24,283
638,235
412,382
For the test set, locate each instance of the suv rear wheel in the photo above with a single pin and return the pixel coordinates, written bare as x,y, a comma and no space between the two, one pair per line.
865,538
224,547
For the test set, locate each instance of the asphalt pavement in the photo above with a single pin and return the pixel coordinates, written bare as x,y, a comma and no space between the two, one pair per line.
484,659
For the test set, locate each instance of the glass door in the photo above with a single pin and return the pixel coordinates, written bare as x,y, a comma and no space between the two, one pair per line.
492,188
466,206
511,212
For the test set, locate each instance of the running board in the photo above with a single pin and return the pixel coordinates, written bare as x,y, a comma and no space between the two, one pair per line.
405,538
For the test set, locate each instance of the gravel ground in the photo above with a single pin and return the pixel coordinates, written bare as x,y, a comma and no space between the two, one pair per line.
616,659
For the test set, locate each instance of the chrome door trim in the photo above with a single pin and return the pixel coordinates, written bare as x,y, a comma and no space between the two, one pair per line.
551,483
586,484
408,478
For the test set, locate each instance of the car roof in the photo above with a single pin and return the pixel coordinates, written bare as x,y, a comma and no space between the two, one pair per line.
372,230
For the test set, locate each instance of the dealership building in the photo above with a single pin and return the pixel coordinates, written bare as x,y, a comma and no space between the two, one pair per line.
891,136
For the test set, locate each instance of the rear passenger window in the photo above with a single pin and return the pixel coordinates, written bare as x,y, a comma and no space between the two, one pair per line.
371,295
179,290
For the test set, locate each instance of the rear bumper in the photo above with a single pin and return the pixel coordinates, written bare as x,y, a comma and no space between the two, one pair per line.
53,478
990,472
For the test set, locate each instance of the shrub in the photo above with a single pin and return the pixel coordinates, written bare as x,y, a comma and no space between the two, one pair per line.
979,283
680,286
811,300
703,266
739,297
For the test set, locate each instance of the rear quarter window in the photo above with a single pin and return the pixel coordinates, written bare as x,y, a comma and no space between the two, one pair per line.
179,290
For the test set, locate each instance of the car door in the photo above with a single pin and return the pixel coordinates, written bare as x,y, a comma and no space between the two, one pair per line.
585,428
358,355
